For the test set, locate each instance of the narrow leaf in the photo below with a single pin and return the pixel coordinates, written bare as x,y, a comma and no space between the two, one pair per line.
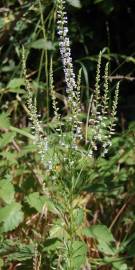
42,44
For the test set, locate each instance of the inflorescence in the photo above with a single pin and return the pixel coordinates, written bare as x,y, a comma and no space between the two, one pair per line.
40,139
72,87
101,125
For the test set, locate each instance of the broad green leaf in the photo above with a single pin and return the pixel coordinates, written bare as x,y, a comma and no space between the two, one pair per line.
79,252
16,83
99,232
38,202
106,248
58,231
4,120
42,44
103,236
10,217
6,191
75,3
6,138
35,200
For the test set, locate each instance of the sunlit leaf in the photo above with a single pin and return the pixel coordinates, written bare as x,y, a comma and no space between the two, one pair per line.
106,248
6,191
120,265
6,138
10,217
79,251
75,3
99,232
103,236
38,202
58,231
4,120
78,216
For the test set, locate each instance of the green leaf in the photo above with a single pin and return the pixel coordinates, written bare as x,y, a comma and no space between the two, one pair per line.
99,232
78,216
7,245
75,3
103,236
1,262
42,44
106,248
51,244
6,191
16,83
38,202
11,157
86,77
6,138
24,252
22,132
120,265
4,120
10,217
16,251
58,231
27,149
2,23
79,252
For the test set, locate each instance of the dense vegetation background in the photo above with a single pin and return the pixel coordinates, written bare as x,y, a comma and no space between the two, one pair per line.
94,25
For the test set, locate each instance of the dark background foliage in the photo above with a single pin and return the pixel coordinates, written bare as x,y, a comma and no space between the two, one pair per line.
97,25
